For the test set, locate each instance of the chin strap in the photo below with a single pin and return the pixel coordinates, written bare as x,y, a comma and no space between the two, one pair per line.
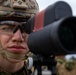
12,55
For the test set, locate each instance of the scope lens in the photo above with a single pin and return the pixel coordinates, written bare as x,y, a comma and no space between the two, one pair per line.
67,35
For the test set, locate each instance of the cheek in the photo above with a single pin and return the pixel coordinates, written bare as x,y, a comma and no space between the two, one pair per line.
4,40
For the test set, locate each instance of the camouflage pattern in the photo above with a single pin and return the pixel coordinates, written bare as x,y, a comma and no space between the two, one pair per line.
23,71
66,67
18,8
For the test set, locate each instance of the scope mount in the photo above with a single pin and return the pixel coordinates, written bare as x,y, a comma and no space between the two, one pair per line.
43,65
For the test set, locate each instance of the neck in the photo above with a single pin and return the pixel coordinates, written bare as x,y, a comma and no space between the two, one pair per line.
9,66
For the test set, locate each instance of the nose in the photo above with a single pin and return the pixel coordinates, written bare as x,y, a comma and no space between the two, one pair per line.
18,37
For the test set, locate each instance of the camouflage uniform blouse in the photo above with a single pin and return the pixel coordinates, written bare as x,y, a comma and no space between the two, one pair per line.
22,71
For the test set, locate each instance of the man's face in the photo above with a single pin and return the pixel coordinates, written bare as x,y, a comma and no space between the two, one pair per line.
13,42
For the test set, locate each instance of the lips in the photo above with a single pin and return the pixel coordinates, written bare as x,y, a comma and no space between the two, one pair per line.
16,49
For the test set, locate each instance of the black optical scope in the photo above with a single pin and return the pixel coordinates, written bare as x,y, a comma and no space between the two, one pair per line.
53,31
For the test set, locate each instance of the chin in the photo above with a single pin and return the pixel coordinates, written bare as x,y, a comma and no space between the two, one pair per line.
14,60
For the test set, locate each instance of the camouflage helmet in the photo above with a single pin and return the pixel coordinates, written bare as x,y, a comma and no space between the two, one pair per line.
18,9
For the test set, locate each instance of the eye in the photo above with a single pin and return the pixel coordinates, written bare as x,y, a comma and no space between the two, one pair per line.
6,28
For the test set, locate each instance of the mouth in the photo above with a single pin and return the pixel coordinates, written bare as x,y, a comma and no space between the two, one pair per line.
15,52
16,49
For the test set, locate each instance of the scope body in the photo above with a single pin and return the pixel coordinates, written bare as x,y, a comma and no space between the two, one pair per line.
53,31
58,38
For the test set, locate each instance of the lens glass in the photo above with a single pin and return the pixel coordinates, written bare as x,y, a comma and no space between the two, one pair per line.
67,36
